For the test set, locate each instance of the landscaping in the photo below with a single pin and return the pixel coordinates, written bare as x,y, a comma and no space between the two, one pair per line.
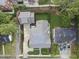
8,27
10,48
34,52
54,49
41,16
45,51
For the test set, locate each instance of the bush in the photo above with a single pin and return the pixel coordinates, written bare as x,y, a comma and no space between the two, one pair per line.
45,51
35,52
54,49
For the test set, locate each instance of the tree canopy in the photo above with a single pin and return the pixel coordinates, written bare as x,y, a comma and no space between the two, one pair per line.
7,25
69,7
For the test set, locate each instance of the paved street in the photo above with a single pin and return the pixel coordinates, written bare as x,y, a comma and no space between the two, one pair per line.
44,58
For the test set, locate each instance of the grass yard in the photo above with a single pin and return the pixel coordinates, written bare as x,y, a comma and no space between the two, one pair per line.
41,16
10,48
45,51
0,49
75,51
60,21
54,50
42,2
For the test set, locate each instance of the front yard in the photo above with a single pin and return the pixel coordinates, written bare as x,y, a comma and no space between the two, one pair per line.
44,51
10,48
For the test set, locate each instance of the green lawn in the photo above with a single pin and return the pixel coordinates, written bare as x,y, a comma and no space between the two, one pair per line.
10,48
54,20
60,21
75,51
42,2
41,16
45,51
54,50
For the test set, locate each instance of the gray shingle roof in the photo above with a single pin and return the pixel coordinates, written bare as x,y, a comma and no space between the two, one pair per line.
64,35
2,2
39,36
26,17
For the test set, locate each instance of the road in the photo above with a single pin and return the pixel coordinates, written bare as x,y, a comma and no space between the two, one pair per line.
43,58
18,43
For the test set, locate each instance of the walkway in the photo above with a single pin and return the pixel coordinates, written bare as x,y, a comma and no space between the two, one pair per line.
26,38
47,5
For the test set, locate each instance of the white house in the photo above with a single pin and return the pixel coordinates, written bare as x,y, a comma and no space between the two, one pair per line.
39,35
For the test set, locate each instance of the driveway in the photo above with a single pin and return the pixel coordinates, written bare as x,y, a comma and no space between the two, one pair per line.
65,52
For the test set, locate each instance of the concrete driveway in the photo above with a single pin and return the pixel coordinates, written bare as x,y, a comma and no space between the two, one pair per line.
65,52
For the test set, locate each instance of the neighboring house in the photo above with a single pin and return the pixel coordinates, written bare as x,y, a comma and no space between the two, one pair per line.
40,35
26,17
6,5
30,2
62,35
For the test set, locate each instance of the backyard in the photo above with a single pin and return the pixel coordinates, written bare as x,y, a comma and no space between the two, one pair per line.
54,20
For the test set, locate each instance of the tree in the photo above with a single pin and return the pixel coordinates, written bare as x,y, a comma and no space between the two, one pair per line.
68,7
7,25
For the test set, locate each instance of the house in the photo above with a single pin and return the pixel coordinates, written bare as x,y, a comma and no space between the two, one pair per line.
61,35
35,36
6,5
40,35
30,2
26,17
